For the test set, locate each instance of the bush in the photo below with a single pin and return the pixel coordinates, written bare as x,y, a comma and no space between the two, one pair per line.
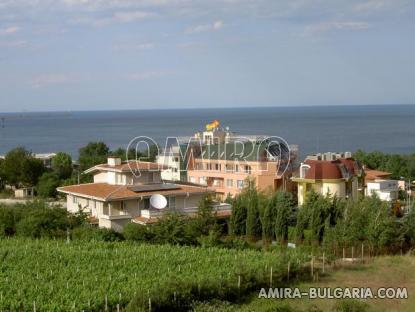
138,232
46,187
43,222
9,216
108,235
90,233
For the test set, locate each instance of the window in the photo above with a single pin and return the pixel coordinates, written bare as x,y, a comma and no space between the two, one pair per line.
146,203
176,159
229,168
236,168
172,202
240,184
248,169
202,180
121,205
217,167
229,183
192,179
74,200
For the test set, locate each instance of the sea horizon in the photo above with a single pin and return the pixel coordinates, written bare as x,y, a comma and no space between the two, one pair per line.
386,128
203,108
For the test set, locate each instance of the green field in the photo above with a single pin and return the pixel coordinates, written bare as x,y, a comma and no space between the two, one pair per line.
90,276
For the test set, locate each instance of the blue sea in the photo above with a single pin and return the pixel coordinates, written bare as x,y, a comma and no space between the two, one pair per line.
314,129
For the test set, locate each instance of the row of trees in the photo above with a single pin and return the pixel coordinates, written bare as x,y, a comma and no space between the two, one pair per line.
398,165
20,168
322,220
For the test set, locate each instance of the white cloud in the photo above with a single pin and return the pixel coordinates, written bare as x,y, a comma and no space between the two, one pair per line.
9,30
216,25
331,26
146,75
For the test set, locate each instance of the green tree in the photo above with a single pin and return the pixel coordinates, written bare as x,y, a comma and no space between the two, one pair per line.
20,168
46,187
92,154
283,210
253,222
238,216
62,165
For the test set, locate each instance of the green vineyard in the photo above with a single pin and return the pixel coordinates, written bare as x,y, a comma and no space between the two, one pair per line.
53,275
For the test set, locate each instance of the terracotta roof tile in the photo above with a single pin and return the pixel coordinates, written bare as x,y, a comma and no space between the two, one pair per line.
108,192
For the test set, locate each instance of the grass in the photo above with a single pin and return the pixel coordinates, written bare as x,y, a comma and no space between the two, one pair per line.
388,271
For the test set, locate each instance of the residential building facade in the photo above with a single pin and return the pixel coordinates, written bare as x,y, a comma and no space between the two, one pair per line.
121,193
331,175
226,167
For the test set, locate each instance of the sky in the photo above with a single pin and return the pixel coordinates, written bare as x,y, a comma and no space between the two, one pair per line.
65,55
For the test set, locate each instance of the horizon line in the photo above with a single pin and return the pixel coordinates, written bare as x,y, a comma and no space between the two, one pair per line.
201,108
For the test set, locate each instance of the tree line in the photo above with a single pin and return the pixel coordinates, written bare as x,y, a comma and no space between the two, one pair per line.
398,165
325,221
20,168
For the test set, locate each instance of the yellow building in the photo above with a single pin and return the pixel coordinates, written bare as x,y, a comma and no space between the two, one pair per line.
340,177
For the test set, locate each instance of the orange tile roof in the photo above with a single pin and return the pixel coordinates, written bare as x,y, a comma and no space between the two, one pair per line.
108,192
128,166
371,174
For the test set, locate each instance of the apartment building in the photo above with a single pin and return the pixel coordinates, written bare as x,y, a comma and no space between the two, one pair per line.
226,167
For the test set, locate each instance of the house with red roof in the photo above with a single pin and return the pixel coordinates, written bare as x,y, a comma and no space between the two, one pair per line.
122,192
334,174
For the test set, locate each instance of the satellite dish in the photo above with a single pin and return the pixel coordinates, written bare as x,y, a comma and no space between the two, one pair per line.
158,201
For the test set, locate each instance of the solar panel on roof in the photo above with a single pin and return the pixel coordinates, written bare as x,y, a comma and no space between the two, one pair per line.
154,187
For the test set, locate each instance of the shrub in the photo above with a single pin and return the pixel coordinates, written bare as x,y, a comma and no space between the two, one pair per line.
46,187
138,232
9,216
90,233
43,222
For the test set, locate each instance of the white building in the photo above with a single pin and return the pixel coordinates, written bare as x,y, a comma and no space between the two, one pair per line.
121,193
387,190
171,160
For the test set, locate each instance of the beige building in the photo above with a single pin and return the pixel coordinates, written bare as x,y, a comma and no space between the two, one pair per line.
121,193
341,177
226,167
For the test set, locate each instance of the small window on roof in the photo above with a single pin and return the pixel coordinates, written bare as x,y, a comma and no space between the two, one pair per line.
221,155
212,154
203,153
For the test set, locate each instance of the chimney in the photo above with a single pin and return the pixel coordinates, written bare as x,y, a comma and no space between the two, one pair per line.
114,161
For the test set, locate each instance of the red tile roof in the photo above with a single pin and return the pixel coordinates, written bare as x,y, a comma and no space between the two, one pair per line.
108,192
325,169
